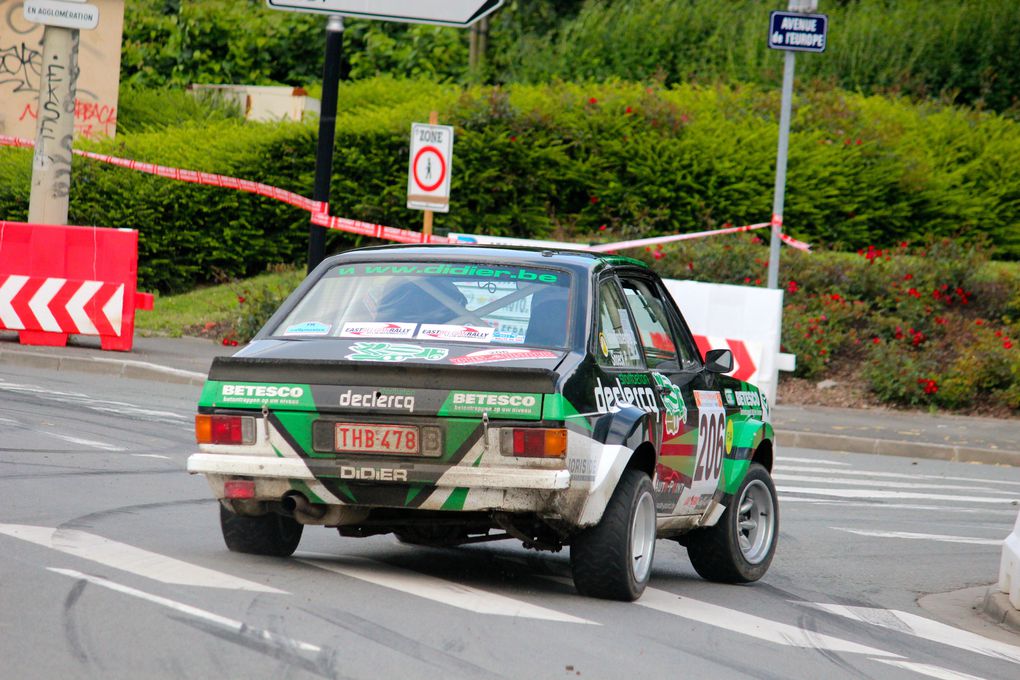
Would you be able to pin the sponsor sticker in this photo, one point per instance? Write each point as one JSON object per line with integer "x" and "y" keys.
{"x": 308, "y": 328}
{"x": 603, "y": 345}
{"x": 707, "y": 400}
{"x": 431, "y": 331}
{"x": 673, "y": 402}
{"x": 749, "y": 401}
{"x": 216, "y": 393}
{"x": 489, "y": 356}
{"x": 377, "y": 399}
{"x": 389, "y": 352}
{"x": 378, "y": 329}
{"x": 495, "y": 404}
{"x": 508, "y": 274}
{"x": 610, "y": 398}
{"x": 730, "y": 399}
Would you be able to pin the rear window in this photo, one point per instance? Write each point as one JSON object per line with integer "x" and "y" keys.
{"x": 448, "y": 301}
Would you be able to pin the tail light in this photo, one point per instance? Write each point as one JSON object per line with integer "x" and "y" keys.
{"x": 224, "y": 429}
{"x": 533, "y": 442}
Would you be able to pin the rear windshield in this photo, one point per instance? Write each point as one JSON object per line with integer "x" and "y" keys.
{"x": 447, "y": 301}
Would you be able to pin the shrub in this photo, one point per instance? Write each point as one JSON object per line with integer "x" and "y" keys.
{"x": 532, "y": 161}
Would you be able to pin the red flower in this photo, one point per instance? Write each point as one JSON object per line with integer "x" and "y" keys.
{"x": 513, "y": 138}
{"x": 658, "y": 254}
{"x": 907, "y": 277}
{"x": 602, "y": 227}
{"x": 747, "y": 280}
{"x": 593, "y": 101}
{"x": 690, "y": 265}
{"x": 929, "y": 385}
{"x": 240, "y": 299}
{"x": 998, "y": 334}
{"x": 913, "y": 292}
{"x": 1008, "y": 344}
{"x": 226, "y": 342}
{"x": 836, "y": 297}
{"x": 594, "y": 200}
{"x": 904, "y": 244}
{"x": 629, "y": 110}
{"x": 941, "y": 320}
{"x": 979, "y": 322}
{"x": 792, "y": 286}
{"x": 876, "y": 340}
{"x": 757, "y": 282}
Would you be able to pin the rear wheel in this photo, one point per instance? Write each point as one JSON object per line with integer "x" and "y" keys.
{"x": 269, "y": 534}
{"x": 739, "y": 548}
{"x": 613, "y": 559}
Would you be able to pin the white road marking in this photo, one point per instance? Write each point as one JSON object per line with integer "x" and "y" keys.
{"x": 918, "y": 626}
{"x": 894, "y": 475}
{"x": 942, "y": 538}
{"x": 929, "y": 670}
{"x": 898, "y": 506}
{"x": 752, "y": 626}
{"x": 439, "y": 590}
{"x": 781, "y": 476}
{"x": 869, "y": 493}
{"x": 238, "y": 627}
{"x": 816, "y": 461}
{"x": 129, "y": 558}
{"x": 151, "y": 455}
{"x": 85, "y": 442}
{"x": 90, "y": 402}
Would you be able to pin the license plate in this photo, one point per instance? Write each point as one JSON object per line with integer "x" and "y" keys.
{"x": 357, "y": 437}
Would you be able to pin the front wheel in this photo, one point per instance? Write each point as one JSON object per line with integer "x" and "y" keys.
{"x": 613, "y": 559}
{"x": 740, "y": 547}
{"x": 269, "y": 534}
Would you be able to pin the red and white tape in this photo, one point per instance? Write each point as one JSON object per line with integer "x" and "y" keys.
{"x": 320, "y": 210}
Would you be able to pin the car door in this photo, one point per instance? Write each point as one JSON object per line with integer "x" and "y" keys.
{"x": 693, "y": 416}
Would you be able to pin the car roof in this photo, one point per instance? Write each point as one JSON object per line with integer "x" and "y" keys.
{"x": 571, "y": 259}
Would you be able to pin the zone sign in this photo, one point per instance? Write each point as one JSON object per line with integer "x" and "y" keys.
{"x": 428, "y": 170}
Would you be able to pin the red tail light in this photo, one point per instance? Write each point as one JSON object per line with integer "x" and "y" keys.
{"x": 224, "y": 429}
{"x": 533, "y": 442}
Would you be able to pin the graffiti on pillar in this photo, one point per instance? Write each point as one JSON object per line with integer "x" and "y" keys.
{"x": 22, "y": 72}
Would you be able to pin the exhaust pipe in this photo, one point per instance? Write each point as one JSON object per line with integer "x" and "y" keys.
{"x": 296, "y": 505}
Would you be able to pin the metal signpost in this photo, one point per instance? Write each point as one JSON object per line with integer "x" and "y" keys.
{"x": 51, "y": 162}
{"x": 792, "y": 31}
{"x": 461, "y": 13}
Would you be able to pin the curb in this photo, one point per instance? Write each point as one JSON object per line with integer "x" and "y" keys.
{"x": 997, "y": 607}
{"x": 125, "y": 368}
{"x": 892, "y": 447}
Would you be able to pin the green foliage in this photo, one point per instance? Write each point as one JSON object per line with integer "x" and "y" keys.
{"x": 560, "y": 160}
{"x": 932, "y": 324}
{"x": 218, "y": 41}
{"x": 966, "y": 51}
{"x": 147, "y": 110}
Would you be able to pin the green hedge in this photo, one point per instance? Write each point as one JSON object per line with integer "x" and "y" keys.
{"x": 561, "y": 160}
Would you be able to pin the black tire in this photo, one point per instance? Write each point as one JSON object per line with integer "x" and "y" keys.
{"x": 270, "y": 534}
{"x": 613, "y": 559}
{"x": 740, "y": 547}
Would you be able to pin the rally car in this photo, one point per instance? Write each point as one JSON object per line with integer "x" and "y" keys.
{"x": 458, "y": 394}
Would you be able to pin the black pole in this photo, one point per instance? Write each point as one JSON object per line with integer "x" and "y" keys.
{"x": 327, "y": 133}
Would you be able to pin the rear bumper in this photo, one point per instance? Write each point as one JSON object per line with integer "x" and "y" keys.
{"x": 456, "y": 476}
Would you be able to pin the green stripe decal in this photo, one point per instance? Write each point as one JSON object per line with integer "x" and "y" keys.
{"x": 456, "y": 499}
{"x": 412, "y": 492}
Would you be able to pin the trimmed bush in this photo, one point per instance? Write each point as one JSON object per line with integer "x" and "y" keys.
{"x": 564, "y": 160}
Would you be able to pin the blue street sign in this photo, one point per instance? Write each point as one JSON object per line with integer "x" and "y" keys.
{"x": 800, "y": 32}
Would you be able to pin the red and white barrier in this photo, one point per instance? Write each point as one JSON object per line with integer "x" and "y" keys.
{"x": 57, "y": 281}
{"x": 747, "y": 355}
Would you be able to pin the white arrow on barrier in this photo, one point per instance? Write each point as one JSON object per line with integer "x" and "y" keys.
{"x": 76, "y": 307}
{"x": 114, "y": 309}
{"x": 39, "y": 304}
{"x": 8, "y": 317}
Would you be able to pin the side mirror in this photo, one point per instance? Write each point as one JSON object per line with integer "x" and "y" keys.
{"x": 718, "y": 361}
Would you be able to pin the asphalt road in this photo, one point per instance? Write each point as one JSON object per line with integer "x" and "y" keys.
{"x": 112, "y": 566}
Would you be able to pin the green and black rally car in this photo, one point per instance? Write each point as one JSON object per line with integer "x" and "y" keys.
{"x": 458, "y": 394}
